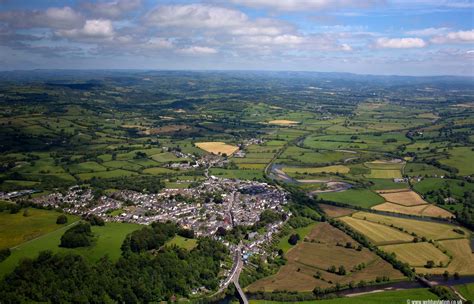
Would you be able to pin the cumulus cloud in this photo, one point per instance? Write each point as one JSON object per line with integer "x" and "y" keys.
{"x": 158, "y": 43}
{"x": 112, "y": 10}
{"x": 96, "y": 28}
{"x": 53, "y": 17}
{"x": 455, "y": 37}
{"x": 195, "y": 16}
{"x": 431, "y": 31}
{"x": 198, "y": 50}
{"x": 400, "y": 43}
{"x": 301, "y": 5}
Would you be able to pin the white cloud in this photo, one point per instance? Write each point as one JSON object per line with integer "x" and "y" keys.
{"x": 195, "y": 16}
{"x": 400, "y": 43}
{"x": 97, "y": 28}
{"x": 431, "y": 31}
{"x": 113, "y": 9}
{"x": 53, "y": 17}
{"x": 198, "y": 50}
{"x": 301, "y": 5}
{"x": 345, "y": 47}
{"x": 455, "y": 37}
{"x": 158, "y": 43}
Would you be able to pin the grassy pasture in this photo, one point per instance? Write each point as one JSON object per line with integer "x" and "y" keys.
{"x": 16, "y": 228}
{"x": 316, "y": 170}
{"x": 384, "y": 165}
{"x": 461, "y": 159}
{"x": 164, "y": 157}
{"x": 456, "y": 187}
{"x": 302, "y": 231}
{"x": 395, "y": 297}
{"x": 379, "y": 234}
{"x": 417, "y": 254}
{"x": 384, "y": 184}
{"x": 354, "y": 197}
{"x": 430, "y": 230}
{"x": 384, "y": 173}
{"x": 237, "y": 173}
{"x": 467, "y": 290}
{"x": 251, "y": 166}
{"x": 109, "y": 240}
{"x": 86, "y": 167}
{"x": 182, "y": 242}
{"x": 120, "y": 164}
{"x": 105, "y": 174}
{"x": 420, "y": 169}
{"x": 159, "y": 170}
{"x": 217, "y": 147}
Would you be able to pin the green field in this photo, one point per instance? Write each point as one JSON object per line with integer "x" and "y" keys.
{"x": 182, "y": 242}
{"x": 354, "y": 197}
{"x": 303, "y": 232}
{"x": 248, "y": 174}
{"x": 389, "y": 297}
{"x": 461, "y": 159}
{"x": 467, "y": 290}
{"x": 109, "y": 240}
{"x": 16, "y": 228}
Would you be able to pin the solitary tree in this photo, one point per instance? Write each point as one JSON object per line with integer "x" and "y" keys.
{"x": 62, "y": 219}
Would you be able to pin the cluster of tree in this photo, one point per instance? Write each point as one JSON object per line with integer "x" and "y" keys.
{"x": 443, "y": 292}
{"x": 134, "y": 278}
{"x": 80, "y": 235}
{"x": 466, "y": 217}
{"x": 148, "y": 238}
{"x": 187, "y": 233}
{"x": 293, "y": 239}
{"x": 4, "y": 254}
{"x": 260, "y": 269}
{"x": 10, "y": 207}
{"x": 93, "y": 219}
{"x": 340, "y": 271}
{"x": 299, "y": 221}
{"x": 269, "y": 216}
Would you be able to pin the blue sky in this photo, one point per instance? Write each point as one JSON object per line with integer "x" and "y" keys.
{"x": 403, "y": 37}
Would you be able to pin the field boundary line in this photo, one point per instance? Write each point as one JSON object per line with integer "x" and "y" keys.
{"x": 41, "y": 236}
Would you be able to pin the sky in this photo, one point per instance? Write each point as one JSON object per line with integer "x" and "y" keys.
{"x": 386, "y": 37}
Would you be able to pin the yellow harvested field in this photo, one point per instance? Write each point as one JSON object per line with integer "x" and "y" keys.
{"x": 391, "y": 190}
{"x": 283, "y": 122}
{"x": 308, "y": 258}
{"x": 421, "y": 210}
{"x": 463, "y": 259}
{"x": 379, "y": 234}
{"x": 430, "y": 230}
{"x": 326, "y": 255}
{"x": 217, "y": 147}
{"x": 405, "y": 198}
{"x": 384, "y": 173}
{"x": 417, "y": 254}
{"x": 309, "y": 170}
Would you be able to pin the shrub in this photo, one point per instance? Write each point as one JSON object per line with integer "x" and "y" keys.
{"x": 62, "y": 219}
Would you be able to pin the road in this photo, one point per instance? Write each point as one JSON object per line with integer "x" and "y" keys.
{"x": 235, "y": 272}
